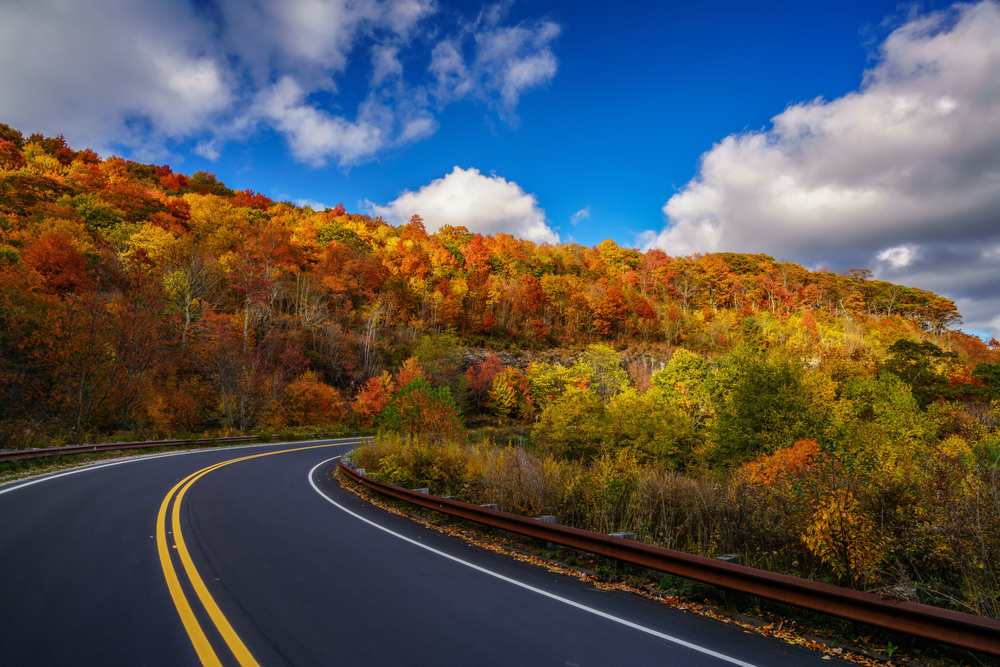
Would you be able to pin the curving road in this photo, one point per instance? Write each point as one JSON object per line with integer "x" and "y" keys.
{"x": 275, "y": 565}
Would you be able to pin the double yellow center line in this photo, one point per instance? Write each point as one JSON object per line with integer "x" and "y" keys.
{"x": 202, "y": 646}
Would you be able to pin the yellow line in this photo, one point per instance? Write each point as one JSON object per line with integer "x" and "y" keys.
{"x": 198, "y": 638}
{"x": 201, "y": 644}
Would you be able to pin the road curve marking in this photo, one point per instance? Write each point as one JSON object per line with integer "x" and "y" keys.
{"x": 206, "y": 654}
{"x": 529, "y": 587}
{"x": 202, "y": 646}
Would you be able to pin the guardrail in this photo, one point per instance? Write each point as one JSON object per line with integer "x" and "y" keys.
{"x": 966, "y": 631}
{"x": 21, "y": 454}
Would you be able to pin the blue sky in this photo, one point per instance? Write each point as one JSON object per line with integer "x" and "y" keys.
{"x": 639, "y": 95}
{"x": 562, "y": 108}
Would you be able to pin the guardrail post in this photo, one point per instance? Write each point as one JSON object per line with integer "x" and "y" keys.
{"x": 620, "y": 563}
{"x": 549, "y": 518}
{"x": 734, "y": 599}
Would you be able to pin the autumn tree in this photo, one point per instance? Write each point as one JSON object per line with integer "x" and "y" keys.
{"x": 418, "y": 408}
{"x": 574, "y": 426}
{"x": 308, "y": 402}
{"x": 480, "y": 376}
{"x": 923, "y": 366}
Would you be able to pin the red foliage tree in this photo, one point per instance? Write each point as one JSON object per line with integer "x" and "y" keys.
{"x": 481, "y": 374}
{"x": 250, "y": 199}
{"x": 62, "y": 267}
{"x": 10, "y": 156}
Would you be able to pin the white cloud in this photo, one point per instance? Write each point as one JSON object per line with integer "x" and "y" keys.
{"x": 385, "y": 64}
{"x": 165, "y": 72}
{"x": 582, "y": 214}
{"x": 899, "y": 257}
{"x": 483, "y": 204}
{"x": 314, "y": 205}
{"x": 313, "y": 134}
{"x": 902, "y": 175}
{"x": 505, "y": 61}
{"x": 68, "y": 69}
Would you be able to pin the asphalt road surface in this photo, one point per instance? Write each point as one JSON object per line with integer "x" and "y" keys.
{"x": 275, "y": 565}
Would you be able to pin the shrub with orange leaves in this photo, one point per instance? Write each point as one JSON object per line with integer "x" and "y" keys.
{"x": 408, "y": 372}
{"x": 374, "y": 396}
{"x": 783, "y": 465}
{"x": 311, "y": 402}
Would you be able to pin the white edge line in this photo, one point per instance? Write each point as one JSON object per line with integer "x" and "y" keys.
{"x": 14, "y": 485}
{"x": 523, "y": 585}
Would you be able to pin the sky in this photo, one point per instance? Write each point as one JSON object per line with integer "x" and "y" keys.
{"x": 838, "y": 134}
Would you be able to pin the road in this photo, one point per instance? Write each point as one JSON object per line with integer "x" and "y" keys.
{"x": 294, "y": 571}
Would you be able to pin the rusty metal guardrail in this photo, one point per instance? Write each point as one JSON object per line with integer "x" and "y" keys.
{"x": 22, "y": 454}
{"x": 967, "y": 631}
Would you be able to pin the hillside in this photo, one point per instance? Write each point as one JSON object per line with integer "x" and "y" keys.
{"x": 131, "y": 293}
{"x": 832, "y": 426}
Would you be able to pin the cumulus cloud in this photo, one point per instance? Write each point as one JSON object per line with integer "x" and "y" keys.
{"x": 503, "y": 62}
{"x": 68, "y": 69}
{"x": 902, "y": 175}
{"x": 169, "y": 71}
{"x": 483, "y": 204}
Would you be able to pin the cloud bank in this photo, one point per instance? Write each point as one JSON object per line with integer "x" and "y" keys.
{"x": 902, "y": 176}
{"x": 483, "y": 204}
{"x": 143, "y": 73}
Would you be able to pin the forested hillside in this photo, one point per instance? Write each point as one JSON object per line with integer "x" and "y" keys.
{"x": 136, "y": 298}
{"x": 824, "y": 424}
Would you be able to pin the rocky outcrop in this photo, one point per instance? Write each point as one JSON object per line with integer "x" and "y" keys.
{"x": 521, "y": 359}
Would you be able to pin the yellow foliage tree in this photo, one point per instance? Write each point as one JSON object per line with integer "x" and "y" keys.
{"x": 845, "y": 538}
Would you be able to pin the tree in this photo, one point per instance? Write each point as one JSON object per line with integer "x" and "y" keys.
{"x": 480, "y": 376}
{"x": 440, "y": 356}
{"x": 310, "y": 402}
{"x": 610, "y": 312}
{"x": 250, "y": 380}
{"x": 10, "y": 156}
{"x": 922, "y": 366}
{"x": 574, "y": 426}
{"x": 685, "y": 382}
{"x": 191, "y": 280}
{"x": 989, "y": 375}
{"x": 764, "y": 406}
{"x": 60, "y": 264}
{"x": 419, "y": 408}
{"x": 372, "y": 399}
{"x": 510, "y": 395}
{"x": 604, "y": 368}
{"x": 104, "y": 350}
{"x": 651, "y": 425}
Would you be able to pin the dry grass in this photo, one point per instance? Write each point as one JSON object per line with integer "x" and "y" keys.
{"x": 938, "y": 535}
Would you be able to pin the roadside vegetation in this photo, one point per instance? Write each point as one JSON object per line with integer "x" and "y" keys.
{"x": 830, "y": 425}
{"x": 835, "y": 472}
